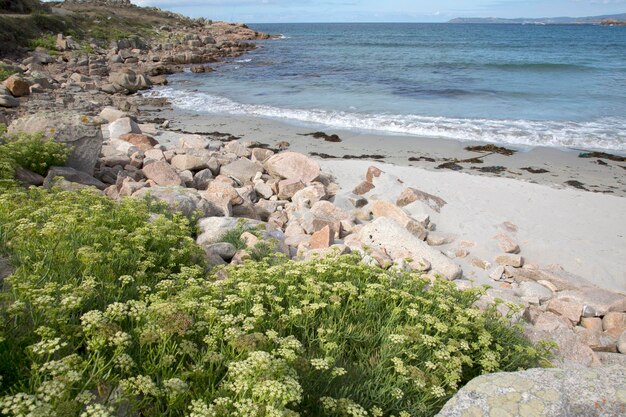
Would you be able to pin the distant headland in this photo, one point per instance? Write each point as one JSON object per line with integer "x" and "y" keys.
{"x": 616, "y": 19}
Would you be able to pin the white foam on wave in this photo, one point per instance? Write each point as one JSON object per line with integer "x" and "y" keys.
{"x": 606, "y": 133}
{"x": 243, "y": 60}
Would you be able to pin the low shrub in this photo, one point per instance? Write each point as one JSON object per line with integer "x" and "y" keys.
{"x": 109, "y": 311}
{"x": 5, "y": 72}
{"x": 32, "y": 151}
{"x": 45, "y": 41}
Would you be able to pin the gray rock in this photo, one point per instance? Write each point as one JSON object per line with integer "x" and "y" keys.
{"x": 400, "y": 243}
{"x": 129, "y": 80}
{"x": 621, "y": 343}
{"x": 532, "y": 289}
{"x": 189, "y": 162}
{"x": 123, "y": 126}
{"x": 80, "y": 132}
{"x": 202, "y": 179}
{"x": 72, "y": 175}
{"x": 27, "y": 177}
{"x": 570, "y": 392}
{"x": 185, "y": 200}
{"x": 214, "y": 228}
{"x": 8, "y": 101}
{"x": 162, "y": 173}
{"x": 224, "y": 250}
{"x": 242, "y": 170}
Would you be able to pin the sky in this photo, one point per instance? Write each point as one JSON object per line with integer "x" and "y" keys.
{"x": 276, "y": 11}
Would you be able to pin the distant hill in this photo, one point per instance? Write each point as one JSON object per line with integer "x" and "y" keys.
{"x": 591, "y": 20}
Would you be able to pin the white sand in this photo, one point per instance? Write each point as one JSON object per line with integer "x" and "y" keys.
{"x": 583, "y": 232}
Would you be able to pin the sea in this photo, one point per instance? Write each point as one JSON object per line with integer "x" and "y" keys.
{"x": 527, "y": 85}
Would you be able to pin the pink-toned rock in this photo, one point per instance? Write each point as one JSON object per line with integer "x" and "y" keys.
{"x": 381, "y": 208}
{"x": 597, "y": 302}
{"x": 249, "y": 239}
{"x": 153, "y": 155}
{"x": 219, "y": 202}
{"x": 507, "y": 244}
{"x": 363, "y": 188}
{"x": 615, "y": 322}
{"x": 410, "y": 195}
{"x": 510, "y": 260}
{"x": 17, "y": 86}
{"x": 323, "y": 238}
{"x": 224, "y": 188}
{"x": 261, "y": 155}
{"x": 162, "y": 174}
{"x": 569, "y": 309}
{"x": 549, "y": 326}
{"x": 372, "y": 172}
{"x": 309, "y": 195}
{"x": 188, "y": 163}
{"x": 287, "y": 188}
{"x": 143, "y": 142}
{"x": 294, "y": 166}
{"x": 480, "y": 263}
{"x": 593, "y": 324}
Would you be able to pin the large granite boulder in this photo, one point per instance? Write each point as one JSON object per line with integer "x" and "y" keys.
{"x": 401, "y": 244}
{"x": 72, "y": 175}
{"x": 81, "y": 133}
{"x": 128, "y": 80}
{"x": 293, "y": 166}
{"x": 570, "y": 392}
{"x": 185, "y": 200}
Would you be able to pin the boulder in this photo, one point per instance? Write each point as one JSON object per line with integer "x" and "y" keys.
{"x": 510, "y": 260}
{"x": 162, "y": 173}
{"x": 202, "y": 179}
{"x": 194, "y": 142}
{"x": 143, "y": 142}
{"x": 570, "y": 348}
{"x": 72, "y": 175}
{"x": 288, "y": 188}
{"x": 111, "y": 114}
{"x": 400, "y": 244}
{"x": 213, "y": 229}
{"x": 363, "y": 188}
{"x": 189, "y": 162}
{"x": 123, "y": 126}
{"x": 570, "y": 309}
{"x": 27, "y": 177}
{"x": 181, "y": 199}
{"x": 81, "y": 133}
{"x": 381, "y": 208}
{"x": 242, "y": 170}
{"x": 17, "y": 86}
{"x": 621, "y": 343}
{"x": 322, "y": 239}
{"x": 573, "y": 391}
{"x": 507, "y": 244}
{"x": 8, "y": 101}
{"x": 129, "y": 80}
{"x": 410, "y": 195}
{"x": 596, "y": 302}
{"x": 531, "y": 289}
{"x": 224, "y": 250}
{"x": 308, "y": 196}
{"x": 294, "y": 166}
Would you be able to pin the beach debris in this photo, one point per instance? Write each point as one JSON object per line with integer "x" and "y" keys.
{"x": 602, "y": 155}
{"x": 491, "y": 170}
{"x": 576, "y": 184}
{"x": 321, "y": 135}
{"x": 374, "y": 157}
{"x": 450, "y": 165}
{"x": 601, "y": 162}
{"x": 410, "y": 195}
{"x": 421, "y": 158}
{"x": 323, "y": 155}
{"x": 492, "y": 149}
{"x": 535, "y": 170}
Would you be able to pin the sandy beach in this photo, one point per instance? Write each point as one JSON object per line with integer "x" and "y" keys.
{"x": 562, "y": 165}
{"x": 559, "y": 226}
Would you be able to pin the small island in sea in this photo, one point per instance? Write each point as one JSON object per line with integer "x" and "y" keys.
{"x": 205, "y": 218}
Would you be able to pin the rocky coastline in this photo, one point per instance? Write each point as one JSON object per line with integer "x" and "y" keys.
{"x": 89, "y": 100}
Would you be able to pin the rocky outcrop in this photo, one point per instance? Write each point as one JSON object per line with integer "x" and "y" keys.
{"x": 576, "y": 391}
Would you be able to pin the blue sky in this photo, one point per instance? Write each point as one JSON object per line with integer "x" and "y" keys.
{"x": 263, "y": 11}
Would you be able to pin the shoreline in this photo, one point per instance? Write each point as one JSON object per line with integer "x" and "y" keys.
{"x": 565, "y": 169}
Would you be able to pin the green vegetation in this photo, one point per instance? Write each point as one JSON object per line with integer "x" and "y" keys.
{"x": 5, "y": 72}
{"x": 46, "y": 41}
{"x": 30, "y": 151}
{"x": 109, "y": 311}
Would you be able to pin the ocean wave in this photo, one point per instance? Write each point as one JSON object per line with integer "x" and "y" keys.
{"x": 606, "y": 133}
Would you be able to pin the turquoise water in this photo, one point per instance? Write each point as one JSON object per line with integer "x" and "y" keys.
{"x": 519, "y": 84}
